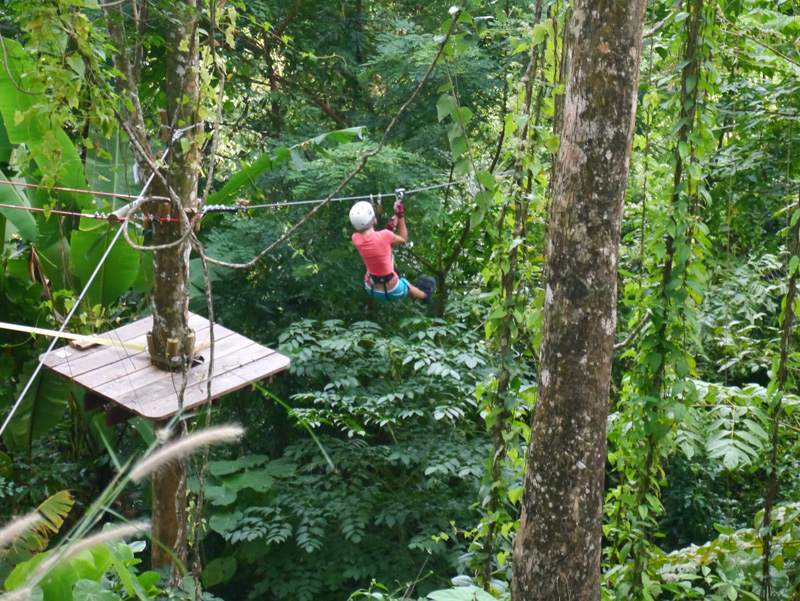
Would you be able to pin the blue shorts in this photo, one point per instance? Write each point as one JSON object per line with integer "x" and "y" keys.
{"x": 399, "y": 293}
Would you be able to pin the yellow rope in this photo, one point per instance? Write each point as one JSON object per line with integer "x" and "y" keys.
{"x": 93, "y": 339}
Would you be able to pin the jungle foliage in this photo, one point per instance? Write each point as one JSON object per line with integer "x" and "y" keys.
{"x": 388, "y": 463}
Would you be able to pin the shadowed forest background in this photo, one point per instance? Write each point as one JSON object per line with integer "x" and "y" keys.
{"x": 389, "y": 462}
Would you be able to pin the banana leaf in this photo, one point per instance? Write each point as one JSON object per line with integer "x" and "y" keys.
{"x": 119, "y": 270}
{"x": 52, "y": 513}
{"x": 41, "y": 409}
{"x": 23, "y": 222}
{"x": 19, "y": 295}
{"x": 6, "y": 148}
{"x": 36, "y": 131}
{"x": 109, "y": 168}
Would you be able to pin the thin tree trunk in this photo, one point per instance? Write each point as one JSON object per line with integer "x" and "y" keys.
{"x": 771, "y": 486}
{"x": 171, "y": 265}
{"x": 170, "y": 300}
{"x": 557, "y": 549}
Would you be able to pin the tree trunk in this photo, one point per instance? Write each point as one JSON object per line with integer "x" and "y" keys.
{"x": 172, "y": 341}
{"x": 557, "y": 549}
{"x": 171, "y": 266}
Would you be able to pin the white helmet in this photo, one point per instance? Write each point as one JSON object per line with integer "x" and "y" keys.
{"x": 361, "y": 215}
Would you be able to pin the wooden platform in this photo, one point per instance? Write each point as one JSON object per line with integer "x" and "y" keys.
{"x": 126, "y": 379}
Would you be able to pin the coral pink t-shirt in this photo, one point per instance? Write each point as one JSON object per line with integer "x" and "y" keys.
{"x": 376, "y": 250}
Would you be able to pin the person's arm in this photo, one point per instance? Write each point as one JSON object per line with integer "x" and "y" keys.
{"x": 401, "y": 235}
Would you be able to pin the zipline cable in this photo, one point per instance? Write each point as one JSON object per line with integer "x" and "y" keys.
{"x": 212, "y": 208}
{"x": 93, "y": 192}
{"x": 41, "y": 361}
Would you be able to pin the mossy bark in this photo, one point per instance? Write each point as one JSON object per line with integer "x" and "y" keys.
{"x": 171, "y": 265}
{"x": 558, "y": 548}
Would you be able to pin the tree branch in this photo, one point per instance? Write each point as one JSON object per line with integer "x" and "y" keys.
{"x": 656, "y": 28}
{"x": 640, "y": 326}
{"x": 287, "y": 21}
{"x": 364, "y": 158}
{"x": 752, "y": 39}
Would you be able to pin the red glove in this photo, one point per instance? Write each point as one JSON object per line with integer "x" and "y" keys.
{"x": 398, "y": 209}
{"x": 392, "y": 223}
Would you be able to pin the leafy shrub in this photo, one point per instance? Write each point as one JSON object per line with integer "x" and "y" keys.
{"x": 397, "y": 460}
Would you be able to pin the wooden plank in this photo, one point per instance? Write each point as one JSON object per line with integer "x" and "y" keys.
{"x": 126, "y": 367}
{"x": 197, "y": 394}
{"x": 126, "y": 381}
{"x": 130, "y": 367}
{"x": 99, "y": 358}
{"x": 166, "y": 387}
{"x": 148, "y": 375}
{"x": 126, "y": 333}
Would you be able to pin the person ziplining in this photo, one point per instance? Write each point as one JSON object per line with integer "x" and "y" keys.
{"x": 375, "y": 248}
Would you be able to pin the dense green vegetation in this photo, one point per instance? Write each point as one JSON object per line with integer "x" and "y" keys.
{"x": 390, "y": 459}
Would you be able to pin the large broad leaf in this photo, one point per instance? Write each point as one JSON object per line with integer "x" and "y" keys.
{"x": 248, "y": 175}
{"x": 109, "y": 168}
{"x": 197, "y": 289}
{"x": 23, "y": 221}
{"x": 19, "y": 295}
{"x": 89, "y": 590}
{"x": 218, "y": 570}
{"x": 37, "y": 132}
{"x": 40, "y": 410}
{"x": 60, "y": 579}
{"x": 6, "y": 147}
{"x": 117, "y": 273}
{"x": 461, "y": 593}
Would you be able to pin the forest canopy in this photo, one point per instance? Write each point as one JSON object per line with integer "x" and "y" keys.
{"x": 389, "y": 461}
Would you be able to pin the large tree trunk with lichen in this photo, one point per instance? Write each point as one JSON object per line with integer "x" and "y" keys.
{"x": 557, "y": 550}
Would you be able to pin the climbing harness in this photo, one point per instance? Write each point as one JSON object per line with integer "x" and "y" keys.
{"x": 385, "y": 279}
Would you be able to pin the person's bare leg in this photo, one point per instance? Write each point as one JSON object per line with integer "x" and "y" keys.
{"x": 416, "y": 292}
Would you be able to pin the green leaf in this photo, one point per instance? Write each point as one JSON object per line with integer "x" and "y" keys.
{"x": 6, "y": 148}
{"x": 109, "y": 168}
{"x": 24, "y": 221}
{"x": 37, "y": 133}
{"x": 461, "y": 593}
{"x": 257, "y": 480}
{"x": 553, "y": 143}
{"x": 220, "y": 495}
{"x": 793, "y": 263}
{"x": 486, "y": 179}
{"x": 40, "y": 410}
{"x": 539, "y": 34}
{"x": 477, "y": 217}
{"x": 117, "y": 273}
{"x": 89, "y": 590}
{"x": 219, "y": 570}
{"x": 225, "y": 523}
{"x": 445, "y": 106}
{"x": 756, "y": 429}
